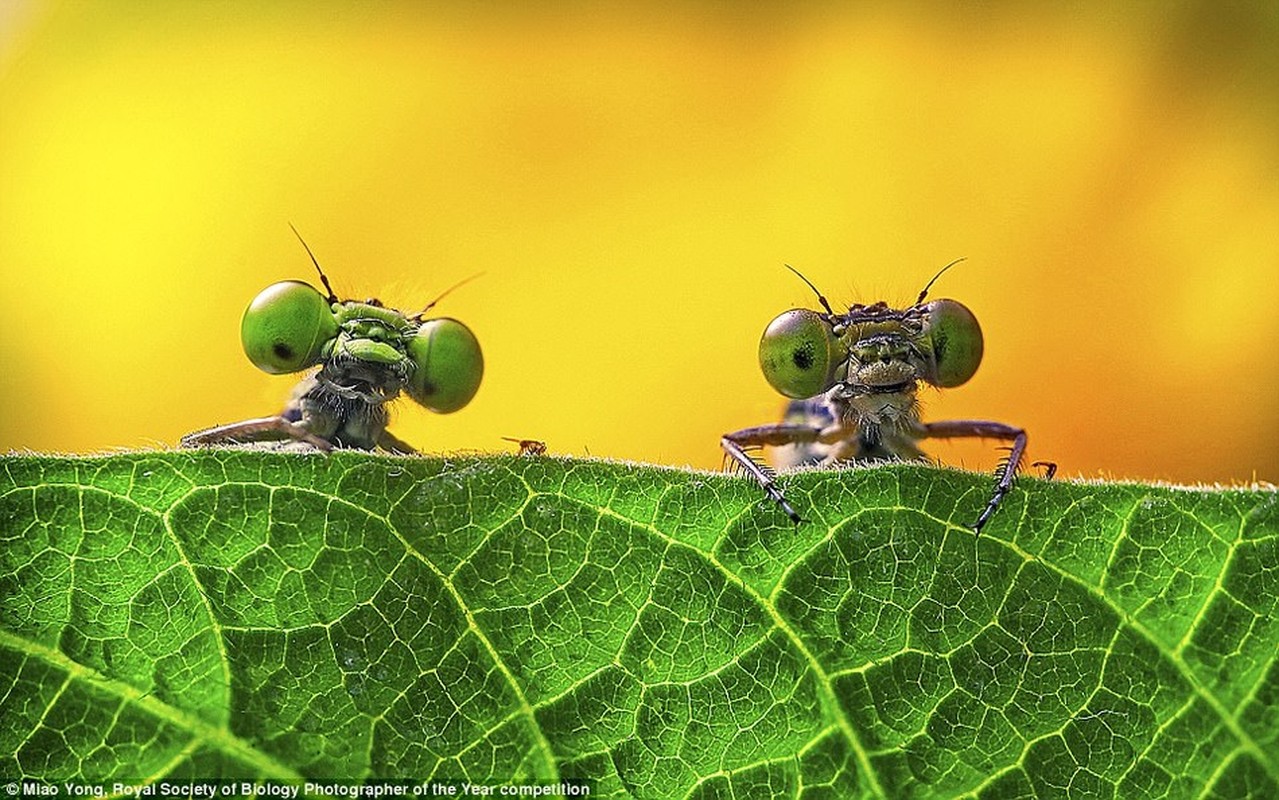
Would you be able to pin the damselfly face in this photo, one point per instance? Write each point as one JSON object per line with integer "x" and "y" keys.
{"x": 855, "y": 376}
{"x": 871, "y": 350}
{"x": 366, "y": 353}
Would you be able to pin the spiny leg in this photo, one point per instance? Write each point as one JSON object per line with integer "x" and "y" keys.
{"x": 1007, "y": 473}
{"x": 255, "y": 430}
{"x": 771, "y": 435}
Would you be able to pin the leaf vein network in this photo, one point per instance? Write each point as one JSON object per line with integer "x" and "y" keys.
{"x": 1183, "y": 669}
{"x": 832, "y": 703}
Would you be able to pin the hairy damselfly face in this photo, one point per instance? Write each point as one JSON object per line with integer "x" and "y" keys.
{"x": 871, "y": 350}
{"x": 365, "y": 351}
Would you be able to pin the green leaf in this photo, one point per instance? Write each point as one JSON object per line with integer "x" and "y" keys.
{"x": 653, "y": 632}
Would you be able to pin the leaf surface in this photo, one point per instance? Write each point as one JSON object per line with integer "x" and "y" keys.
{"x": 656, "y": 633}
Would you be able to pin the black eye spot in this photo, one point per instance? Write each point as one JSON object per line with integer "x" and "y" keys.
{"x": 940, "y": 345}
{"x": 282, "y": 351}
{"x": 803, "y": 356}
{"x": 428, "y": 388}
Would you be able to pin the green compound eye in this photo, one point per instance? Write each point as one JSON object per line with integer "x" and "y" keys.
{"x": 286, "y": 327}
{"x": 956, "y": 339}
{"x": 797, "y": 353}
{"x": 447, "y": 365}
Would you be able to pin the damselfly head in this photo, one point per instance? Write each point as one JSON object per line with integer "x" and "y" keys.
{"x": 291, "y": 326}
{"x": 872, "y": 348}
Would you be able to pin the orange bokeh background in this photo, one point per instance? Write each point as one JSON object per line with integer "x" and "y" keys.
{"x": 630, "y": 180}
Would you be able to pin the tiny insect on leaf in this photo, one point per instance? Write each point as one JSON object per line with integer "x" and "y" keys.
{"x": 528, "y": 447}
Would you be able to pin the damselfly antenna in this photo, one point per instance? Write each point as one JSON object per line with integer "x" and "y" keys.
{"x": 333, "y": 298}
{"x": 820, "y": 298}
{"x": 924, "y": 293}
{"x": 444, "y": 294}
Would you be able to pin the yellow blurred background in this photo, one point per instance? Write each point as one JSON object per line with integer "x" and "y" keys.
{"x": 631, "y": 180}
